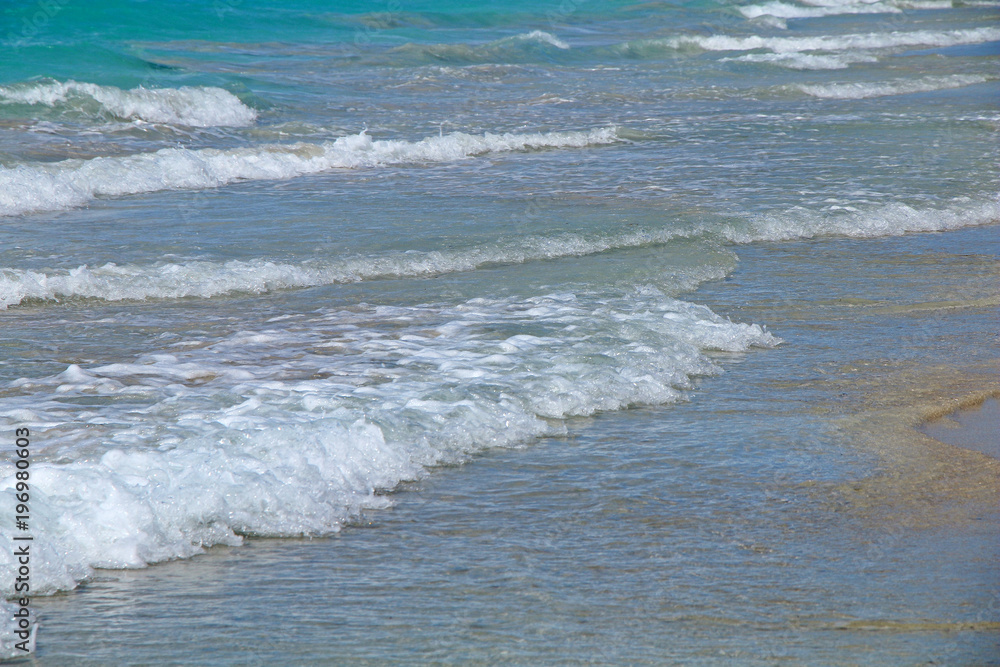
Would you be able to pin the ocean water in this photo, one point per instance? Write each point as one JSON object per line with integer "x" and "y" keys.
{"x": 475, "y": 333}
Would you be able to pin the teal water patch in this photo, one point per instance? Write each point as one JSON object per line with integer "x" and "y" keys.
{"x": 107, "y": 42}
{"x": 260, "y": 20}
{"x": 100, "y": 63}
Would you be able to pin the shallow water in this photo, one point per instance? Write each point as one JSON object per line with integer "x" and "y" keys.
{"x": 710, "y": 531}
{"x": 638, "y": 306}
{"x": 973, "y": 428}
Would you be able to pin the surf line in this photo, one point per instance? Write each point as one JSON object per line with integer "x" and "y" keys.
{"x": 22, "y": 583}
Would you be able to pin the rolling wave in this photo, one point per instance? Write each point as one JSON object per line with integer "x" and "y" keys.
{"x": 62, "y": 185}
{"x": 514, "y": 48}
{"x": 858, "y": 91}
{"x": 207, "y": 279}
{"x": 830, "y": 43}
{"x": 292, "y": 429}
{"x": 806, "y": 61}
{"x": 786, "y": 10}
{"x": 191, "y": 106}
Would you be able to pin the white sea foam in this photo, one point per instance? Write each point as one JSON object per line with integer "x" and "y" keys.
{"x": 62, "y": 185}
{"x": 891, "y": 219}
{"x": 904, "y": 4}
{"x": 291, "y": 428}
{"x": 539, "y": 36}
{"x": 939, "y": 4}
{"x": 847, "y": 42}
{"x": 770, "y": 22}
{"x": 787, "y": 10}
{"x": 192, "y": 106}
{"x": 818, "y": 8}
{"x": 807, "y": 61}
{"x": 857, "y": 91}
{"x": 205, "y": 279}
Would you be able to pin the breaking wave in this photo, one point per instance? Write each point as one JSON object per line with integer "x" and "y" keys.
{"x": 191, "y": 106}
{"x": 293, "y": 428}
{"x": 62, "y": 185}
{"x": 206, "y": 279}
{"x": 858, "y": 91}
{"x": 874, "y": 40}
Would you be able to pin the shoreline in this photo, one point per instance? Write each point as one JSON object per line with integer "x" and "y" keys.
{"x": 703, "y": 517}
{"x": 975, "y": 427}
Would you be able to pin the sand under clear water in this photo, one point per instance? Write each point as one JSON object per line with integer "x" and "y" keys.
{"x": 977, "y": 427}
{"x": 527, "y": 333}
{"x": 741, "y": 526}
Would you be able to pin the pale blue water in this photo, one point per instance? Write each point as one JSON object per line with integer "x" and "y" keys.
{"x": 574, "y": 325}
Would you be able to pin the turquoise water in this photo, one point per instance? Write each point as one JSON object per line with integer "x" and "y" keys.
{"x": 565, "y": 332}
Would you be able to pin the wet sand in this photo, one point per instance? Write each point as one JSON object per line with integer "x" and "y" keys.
{"x": 976, "y": 428}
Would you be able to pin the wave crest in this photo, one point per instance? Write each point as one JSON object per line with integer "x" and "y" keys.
{"x": 834, "y": 43}
{"x": 507, "y": 49}
{"x": 320, "y": 414}
{"x": 52, "y": 187}
{"x": 199, "y": 106}
{"x": 207, "y": 279}
{"x": 859, "y": 91}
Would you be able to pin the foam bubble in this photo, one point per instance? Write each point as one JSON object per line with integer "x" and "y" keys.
{"x": 857, "y": 91}
{"x": 49, "y": 187}
{"x": 789, "y": 11}
{"x": 874, "y": 40}
{"x": 539, "y": 36}
{"x": 806, "y": 61}
{"x": 292, "y": 428}
{"x": 199, "y": 106}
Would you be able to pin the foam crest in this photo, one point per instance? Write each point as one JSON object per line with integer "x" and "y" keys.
{"x": 49, "y": 187}
{"x": 790, "y": 11}
{"x": 892, "y": 219}
{"x": 806, "y": 61}
{"x": 857, "y": 91}
{"x": 199, "y": 106}
{"x": 874, "y": 40}
{"x": 205, "y": 279}
{"x": 940, "y": 4}
{"x": 538, "y": 36}
{"x": 905, "y": 4}
{"x": 292, "y": 428}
